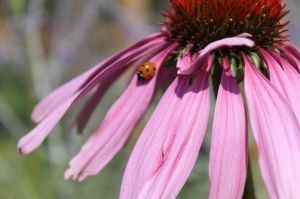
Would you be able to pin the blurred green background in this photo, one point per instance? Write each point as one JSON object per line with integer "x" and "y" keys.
{"x": 44, "y": 43}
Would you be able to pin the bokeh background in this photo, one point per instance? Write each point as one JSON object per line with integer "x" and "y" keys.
{"x": 44, "y": 43}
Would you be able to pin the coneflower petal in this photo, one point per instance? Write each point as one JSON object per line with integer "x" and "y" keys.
{"x": 290, "y": 57}
{"x": 91, "y": 103}
{"x": 276, "y": 132}
{"x": 36, "y": 136}
{"x": 228, "y": 154}
{"x": 186, "y": 60}
{"x": 284, "y": 85}
{"x": 289, "y": 70}
{"x": 238, "y": 40}
{"x": 116, "y": 126}
{"x": 149, "y": 146}
{"x": 59, "y": 96}
{"x": 64, "y": 92}
{"x": 292, "y": 49}
{"x": 177, "y": 153}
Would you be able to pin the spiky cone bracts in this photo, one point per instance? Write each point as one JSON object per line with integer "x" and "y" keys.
{"x": 201, "y": 22}
{"x": 198, "y": 23}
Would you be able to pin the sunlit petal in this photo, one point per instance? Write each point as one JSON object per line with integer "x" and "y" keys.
{"x": 34, "y": 138}
{"x": 228, "y": 154}
{"x": 116, "y": 126}
{"x": 276, "y": 132}
{"x": 64, "y": 92}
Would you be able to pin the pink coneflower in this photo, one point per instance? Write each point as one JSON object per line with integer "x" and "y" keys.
{"x": 231, "y": 41}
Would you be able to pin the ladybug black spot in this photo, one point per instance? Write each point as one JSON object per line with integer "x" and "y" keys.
{"x": 147, "y": 69}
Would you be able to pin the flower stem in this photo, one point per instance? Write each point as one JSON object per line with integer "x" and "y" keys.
{"x": 216, "y": 80}
{"x": 249, "y": 188}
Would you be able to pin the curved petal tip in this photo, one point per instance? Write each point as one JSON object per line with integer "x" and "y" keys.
{"x": 239, "y": 40}
{"x": 75, "y": 175}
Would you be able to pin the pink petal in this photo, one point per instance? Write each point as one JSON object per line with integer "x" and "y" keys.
{"x": 186, "y": 60}
{"x": 294, "y": 61}
{"x": 62, "y": 93}
{"x": 161, "y": 163}
{"x": 116, "y": 127}
{"x": 231, "y": 41}
{"x": 35, "y": 137}
{"x": 292, "y": 49}
{"x": 59, "y": 95}
{"x": 228, "y": 154}
{"x": 148, "y": 146}
{"x": 165, "y": 77}
{"x": 289, "y": 70}
{"x": 244, "y": 35}
{"x": 281, "y": 81}
{"x": 91, "y": 103}
{"x": 276, "y": 132}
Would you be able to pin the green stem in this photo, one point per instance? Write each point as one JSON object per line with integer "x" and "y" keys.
{"x": 249, "y": 188}
{"x": 216, "y": 80}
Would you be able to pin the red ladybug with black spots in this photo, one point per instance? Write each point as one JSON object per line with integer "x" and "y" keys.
{"x": 146, "y": 71}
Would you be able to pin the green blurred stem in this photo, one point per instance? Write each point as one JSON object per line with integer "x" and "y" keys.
{"x": 216, "y": 80}
{"x": 249, "y": 186}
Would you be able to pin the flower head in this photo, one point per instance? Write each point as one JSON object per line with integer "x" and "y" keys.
{"x": 201, "y": 22}
{"x": 230, "y": 41}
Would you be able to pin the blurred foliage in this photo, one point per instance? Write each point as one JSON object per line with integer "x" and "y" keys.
{"x": 42, "y": 45}
{"x": 14, "y": 88}
{"x": 157, "y": 5}
{"x": 18, "y": 7}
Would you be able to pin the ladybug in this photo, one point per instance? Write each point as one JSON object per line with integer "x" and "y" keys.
{"x": 146, "y": 71}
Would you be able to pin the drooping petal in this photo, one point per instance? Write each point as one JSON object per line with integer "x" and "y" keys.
{"x": 186, "y": 60}
{"x": 62, "y": 93}
{"x": 276, "y": 132}
{"x": 231, "y": 41}
{"x": 290, "y": 57}
{"x": 292, "y": 49}
{"x": 289, "y": 70}
{"x": 179, "y": 154}
{"x": 35, "y": 137}
{"x": 228, "y": 153}
{"x": 59, "y": 95}
{"x": 163, "y": 166}
{"x": 280, "y": 80}
{"x": 149, "y": 144}
{"x": 165, "y": 77}
{"x": 91, "y": 103}
{"x": 116, "y": 127}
